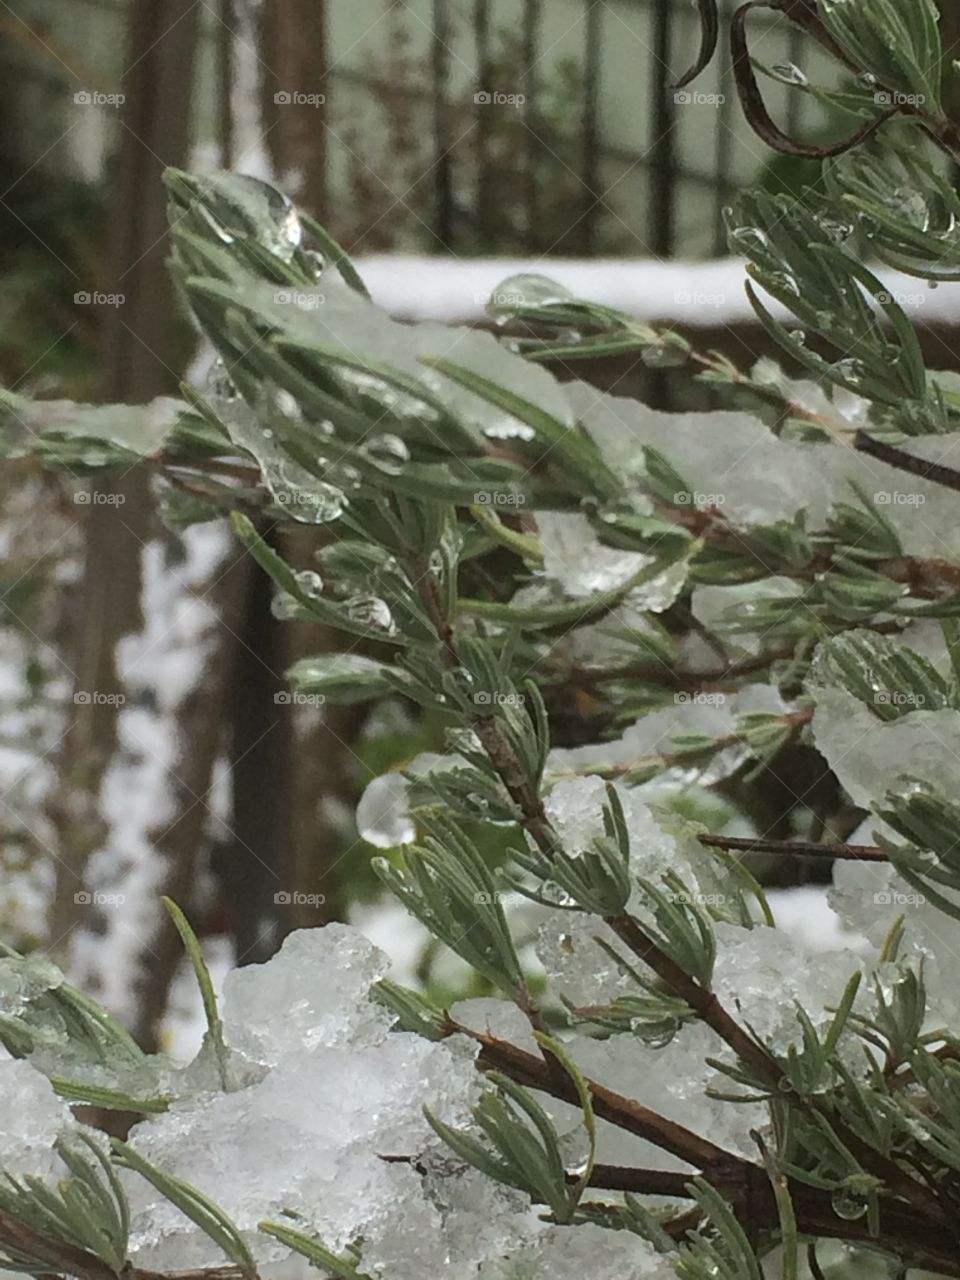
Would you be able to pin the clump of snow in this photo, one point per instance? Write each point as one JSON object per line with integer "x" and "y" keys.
{"x": 314, "y": 991}
{"x": 340, "y": 1092}
{"x": 34, "y": 1119}
{"x": 572, "y": 1253}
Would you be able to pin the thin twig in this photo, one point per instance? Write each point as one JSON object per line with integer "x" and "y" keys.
{"x": 805, "y": 848}
{"x": 935, "y": 472}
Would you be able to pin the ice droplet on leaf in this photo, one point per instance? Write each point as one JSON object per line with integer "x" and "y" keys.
{"x": 372, "y": 612}
{"x": 383, "y": 818}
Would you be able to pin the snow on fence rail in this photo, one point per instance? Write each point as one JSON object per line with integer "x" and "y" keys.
{"x": 695, "y": 294}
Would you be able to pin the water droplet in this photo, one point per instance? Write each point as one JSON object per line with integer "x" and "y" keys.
{"x": 837, "y": 231}
{"x": 284, "y": 607}
{"x": 389, "y": 449}
{"x": 372, "y": 612}
{"x": 665, "y": 356}
{"x": 848, "y": 1204}
{"x": 554, "y": 893}
{"x": 383, "y": 817}
{"x": 789, "y": 72}
{"x": 749, "y": 237}
{"x": 310, "y": 582}
{"x": 658, "y": 1039}
{"x": 509, "y": 429}
{"x": 249, "y": 209}
{"x": 574, "y": 1148}
{"x": 220, "y": 387}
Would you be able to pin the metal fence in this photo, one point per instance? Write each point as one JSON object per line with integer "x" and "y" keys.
{"x": 472, "y": 126}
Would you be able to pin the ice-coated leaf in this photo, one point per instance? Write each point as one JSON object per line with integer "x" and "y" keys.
{"x": 86, "y": 435}
{"x": 341, "y": 678}
{"x": 355, "y": 337}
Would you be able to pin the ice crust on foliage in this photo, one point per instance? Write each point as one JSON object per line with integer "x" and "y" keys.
{"x": 732, "y": 461}
{"x": 653, "y": 735}
{"x": 575, "y": 1253}
{"x": 576, "y": 558}
{"x": 33, "y": 1119}
{"x": 761, "y": 972}
{"x": 348, "y": 324}
{"x": 339, "y": 1092}
{"x": 871, "y": 757}
{"x": 294, "y": 1001}
{"x": 567, "y": 942}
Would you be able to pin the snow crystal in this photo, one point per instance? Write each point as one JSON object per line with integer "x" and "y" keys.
{"x": 41, "y": 1118}
{"x": 574, "y": 555}
{"x": 498, "y": 1018}
{"x": 869, "y": 756}
{"x": 715, "y": 716}
{"x": 761, "y": 973}
{"x": 306, "y": 1140}
{"x": 314, "y": 991}
{"x": 571, "y": 1253}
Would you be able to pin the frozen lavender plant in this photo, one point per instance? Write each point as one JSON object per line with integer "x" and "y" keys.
{"x": 635, "y": 626}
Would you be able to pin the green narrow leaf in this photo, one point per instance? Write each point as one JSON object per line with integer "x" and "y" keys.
{"x": 207, "y": 993}
{"x": 200, "y": 1209}
{"x": 312, "y": 1250}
